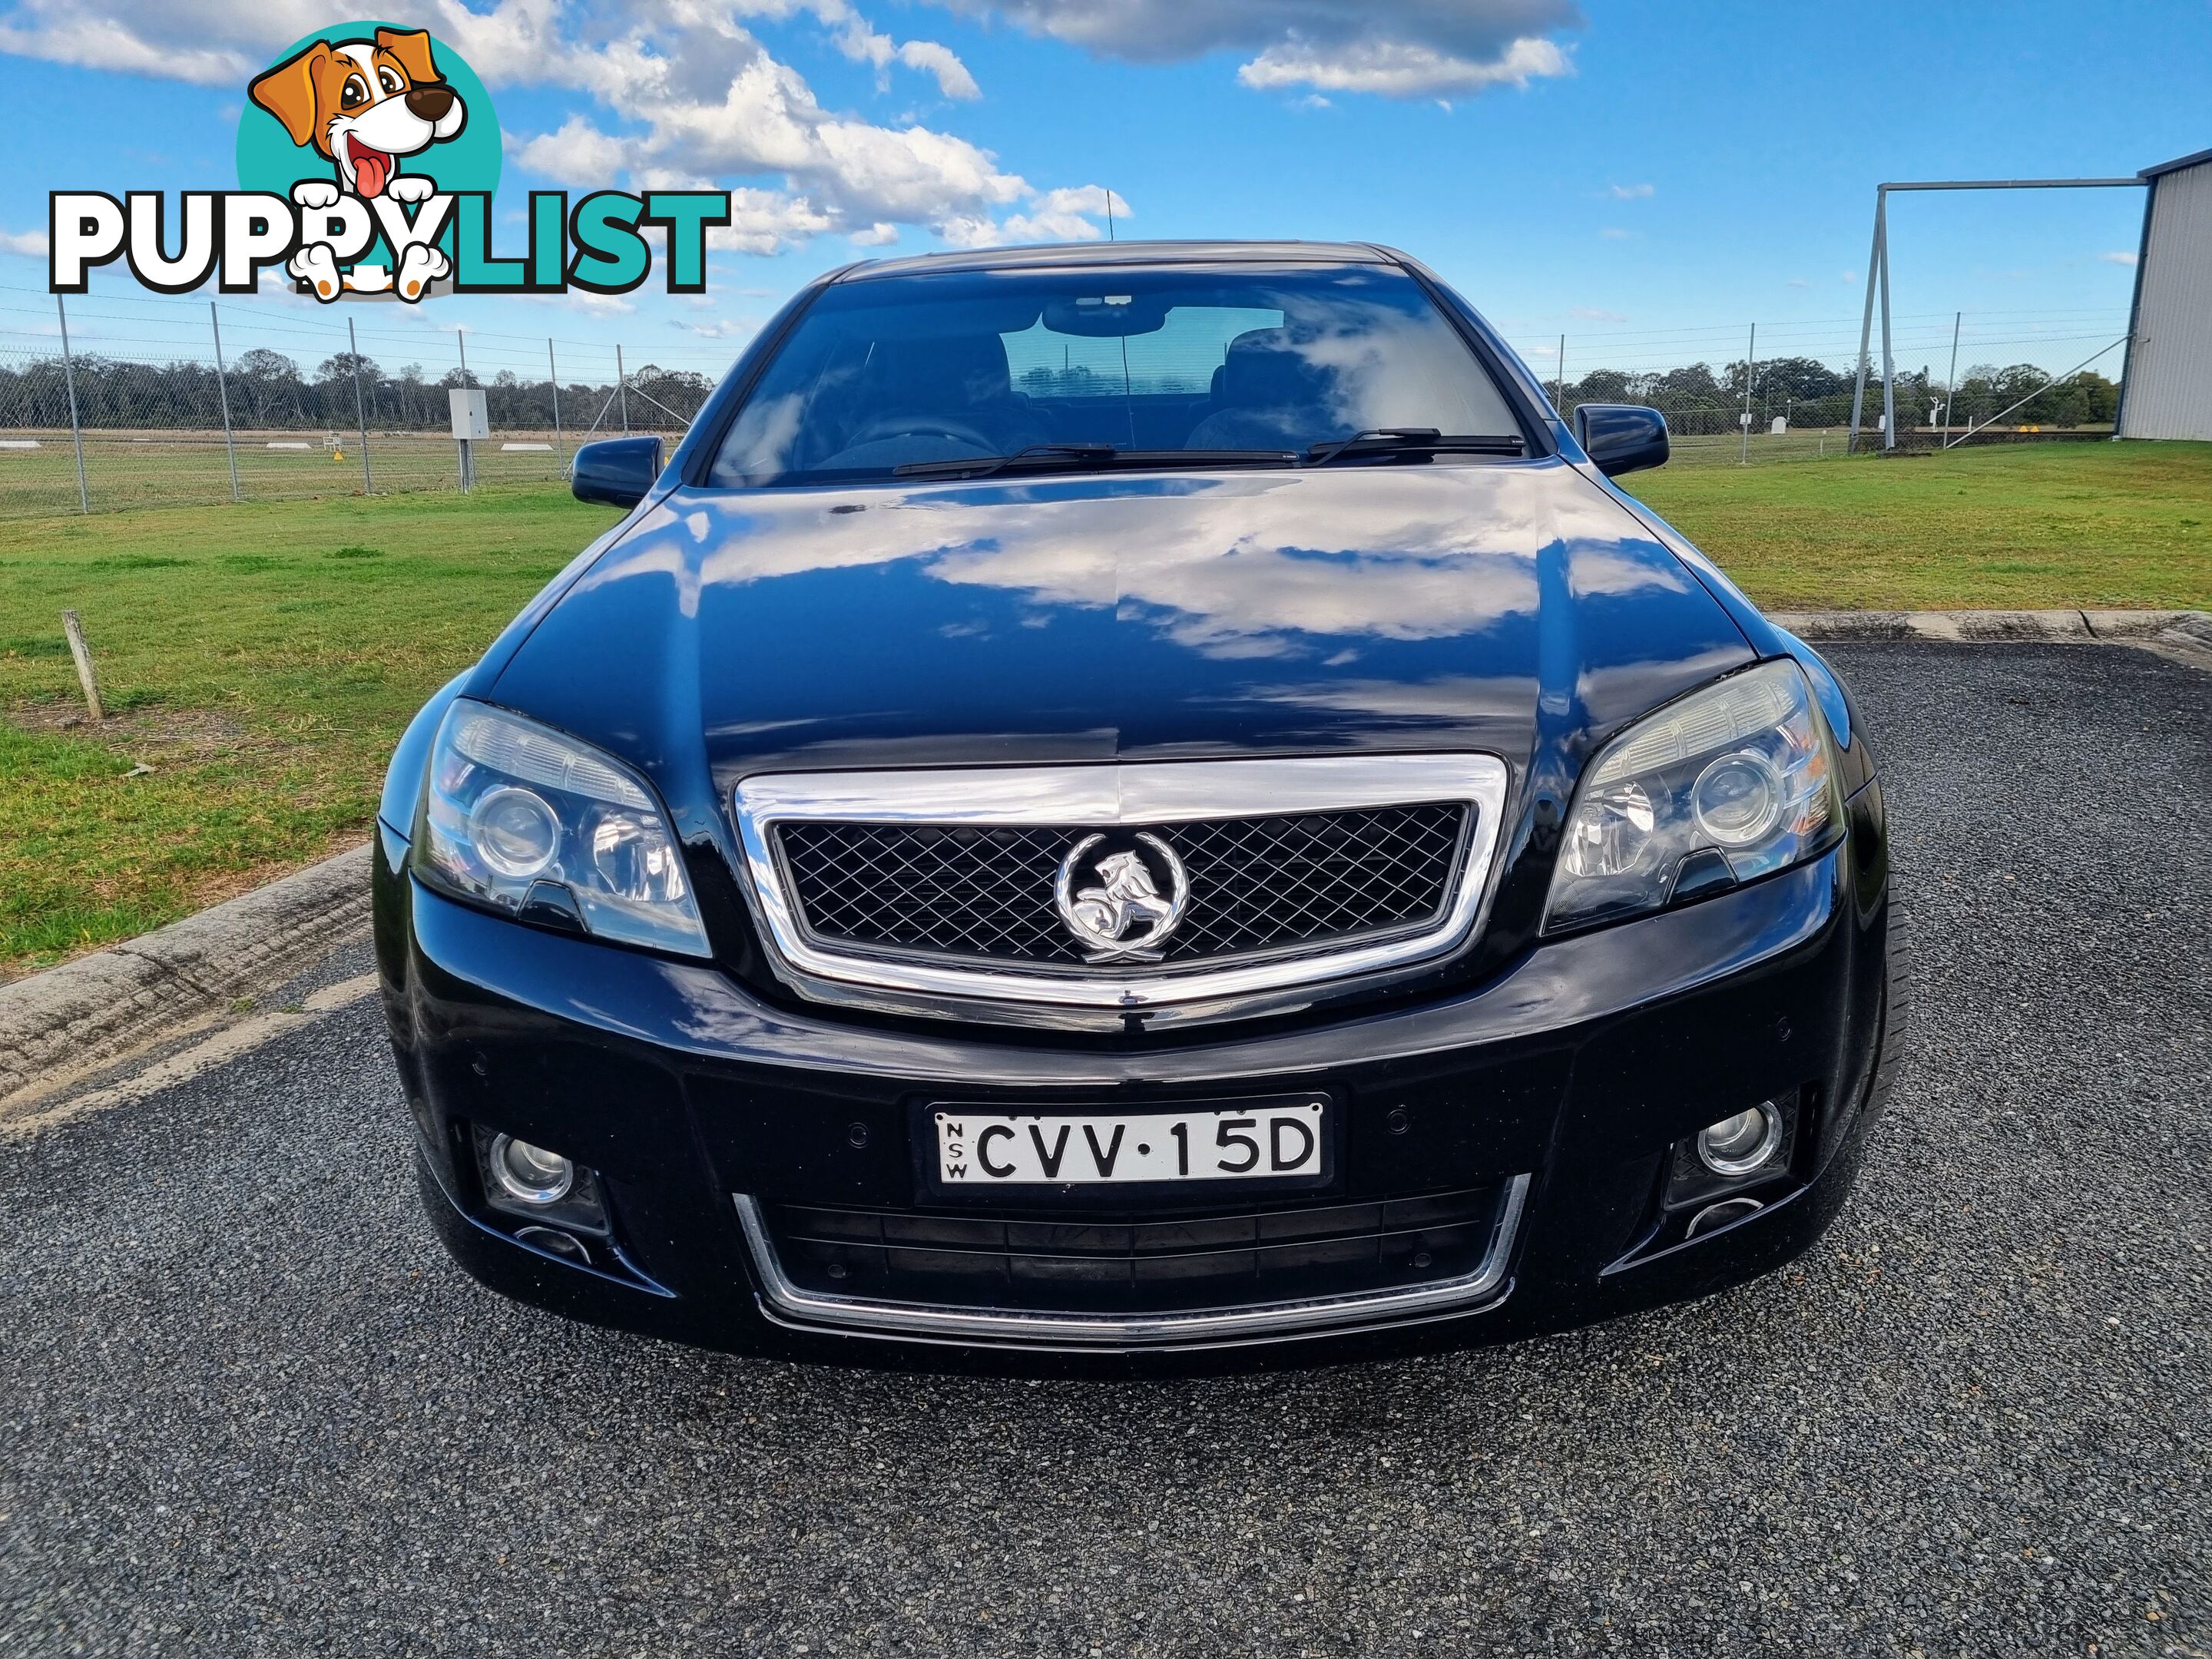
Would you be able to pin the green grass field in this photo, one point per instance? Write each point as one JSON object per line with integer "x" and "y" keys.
{"x": 153, "y": 468}
{"x": 2007, "y": 528}
{"x": 262, "y": 659}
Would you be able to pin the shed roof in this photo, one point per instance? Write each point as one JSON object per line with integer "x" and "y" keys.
{"x": 2177, "y": 164}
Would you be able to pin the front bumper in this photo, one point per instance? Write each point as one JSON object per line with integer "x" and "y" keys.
{"x": 1555, "y": 1093}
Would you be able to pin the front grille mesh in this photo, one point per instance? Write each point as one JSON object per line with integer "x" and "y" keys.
{"x": 1134, "y": 1262}
{"x": 1257, "y": 885}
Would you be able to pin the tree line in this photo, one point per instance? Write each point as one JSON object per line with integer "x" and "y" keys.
{"x": 266, "y": 389}
{"x": 1807, "y": 392}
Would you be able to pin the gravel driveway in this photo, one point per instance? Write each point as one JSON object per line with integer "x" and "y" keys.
{"x": 247, "y": 1407}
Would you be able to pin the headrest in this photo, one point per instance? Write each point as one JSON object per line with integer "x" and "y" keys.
{"x": 1265, "y": 369}
{"x": 941, "y": 373}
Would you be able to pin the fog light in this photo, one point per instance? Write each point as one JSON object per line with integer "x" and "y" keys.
{"x": 552, "y": 1240}
{"x": 1714, "y": 1216}
{"x": 529, "y": 1174}
{"x": 1740, "y": 1144}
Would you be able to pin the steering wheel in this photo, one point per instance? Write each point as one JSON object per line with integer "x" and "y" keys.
{"x": 885, "y": 427}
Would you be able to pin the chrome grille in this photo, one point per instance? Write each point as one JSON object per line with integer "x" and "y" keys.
{"x": 930, "y": 890}
{"x": 1258, "y": 884}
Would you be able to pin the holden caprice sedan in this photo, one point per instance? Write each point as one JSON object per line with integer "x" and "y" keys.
{"x": 1145, "y": 804}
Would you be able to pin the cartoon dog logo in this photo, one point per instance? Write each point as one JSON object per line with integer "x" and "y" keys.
{"x": 363, "y": 105}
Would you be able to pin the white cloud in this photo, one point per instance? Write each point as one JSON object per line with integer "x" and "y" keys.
{"x": 1615, "y": 233}
{"x": 2118, "y": 258}
{"x": 697, "y": 100}
{"x": 1401, "y": 69}
{"x": 1591, "y": 314}
{"x": 882, "y": 233}
{"x": 857, "y": 40}
{"x": 31, "y": 244}
{"x": 576, "y": 150}
{"x": 1799, "y": 282}
{"x": 952, "y": 77}
{"x": 209, "y": 42}
{"x": 1393, "y": 48}
{"x": 727, "y": 328}
{"x": 1052, "y": 215}
{"x": 1090, "y": 199}
{"x": 583, "y": 299}
{"x": 668, "y": 92}
{"x": 1629, "y": 192}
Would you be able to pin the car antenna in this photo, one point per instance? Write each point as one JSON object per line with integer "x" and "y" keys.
{"x": 1109, "y": 213}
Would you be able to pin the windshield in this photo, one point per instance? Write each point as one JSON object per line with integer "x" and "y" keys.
{"x": 1192, "y": 366}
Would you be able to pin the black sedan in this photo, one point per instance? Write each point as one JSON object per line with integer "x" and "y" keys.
{"x": 1129, "y": 803}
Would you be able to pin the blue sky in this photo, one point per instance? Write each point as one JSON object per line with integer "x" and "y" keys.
{"x": 1647, "y": 180}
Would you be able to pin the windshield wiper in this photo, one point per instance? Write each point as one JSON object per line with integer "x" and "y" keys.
{"x": 1040, "y": 456}
{"x": 1414, "y": 441}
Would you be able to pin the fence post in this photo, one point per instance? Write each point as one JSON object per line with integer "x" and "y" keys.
{"x": 76, "y": 432}
{"x": 85, "y": 677}
{"x": 223, "y": 392}
{"x": 1559, "y": 376}
{"x": 553, "y": 370}
{"x": 1750, "y": 359}
{"x": 1866, "y": 322}
{"x": 622, "y": 390}
{"x": 1951, "y": 386}
{"x": 468, "y": 452}
{"x": 360, "y": 412}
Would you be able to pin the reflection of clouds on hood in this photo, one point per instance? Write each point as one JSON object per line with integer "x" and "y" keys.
{"x": 1248, "y": 597}
{"x": 1605, "y": 570}
{"x": 1243, "y": 566}
{"x": 1444, "y": 699}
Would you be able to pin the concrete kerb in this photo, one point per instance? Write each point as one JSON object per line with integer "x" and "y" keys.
{"x": 2185, "y": 632}
{"x": 100, "y": 1008}
{"x": 63, "y": 1023}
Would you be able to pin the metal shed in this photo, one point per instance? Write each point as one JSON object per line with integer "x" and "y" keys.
{"x": 2167, "y": 385}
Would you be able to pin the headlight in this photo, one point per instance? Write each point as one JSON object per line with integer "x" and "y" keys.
{"x": 1725, "y": 784}
{"x": 519, "y": 817}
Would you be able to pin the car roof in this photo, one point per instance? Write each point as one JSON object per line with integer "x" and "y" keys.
{"x": 1061, "y": 256}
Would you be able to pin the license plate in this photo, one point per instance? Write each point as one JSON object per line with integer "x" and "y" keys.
{"x": 1278, "y": 1140}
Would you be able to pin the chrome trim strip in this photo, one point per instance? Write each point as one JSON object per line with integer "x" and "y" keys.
{"x": 1155, "y": 792}
{"x": 925, "y": 1322}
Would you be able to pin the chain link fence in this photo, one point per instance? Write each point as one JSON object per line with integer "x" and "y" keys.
{"x": 124, "y": 401}
{"x": 115, "y": 402}
{"x": 1748, "y": 395}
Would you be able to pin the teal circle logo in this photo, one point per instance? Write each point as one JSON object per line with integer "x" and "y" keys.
{"x": 362, "y": 103}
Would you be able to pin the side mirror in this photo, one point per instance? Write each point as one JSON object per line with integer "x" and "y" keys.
{"x": 1621, "y": 437}
{"x": 616, "y": 472}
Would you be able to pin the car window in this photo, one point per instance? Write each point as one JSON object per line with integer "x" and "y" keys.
{"x": 913, "y": 369}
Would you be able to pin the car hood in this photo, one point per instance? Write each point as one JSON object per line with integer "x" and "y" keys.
{"x": 1429, "y": 607}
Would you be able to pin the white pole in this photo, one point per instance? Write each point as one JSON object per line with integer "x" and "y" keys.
{"x": 1951, "y": 386}
{"x": 1866, "y": 328}
{"x": 360, "y": 410}
{"x": 553, "y": 369}
{"x": 222, "y": 391}
{"x": 76, "y": 430}
{"x": 1888, "y": 363}
{"x": 1750, "y": 357}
